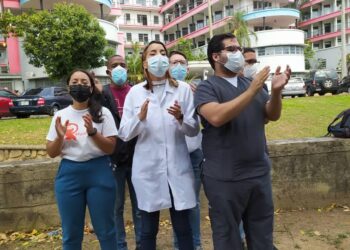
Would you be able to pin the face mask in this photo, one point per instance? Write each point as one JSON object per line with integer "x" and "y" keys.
{"x": 158, "y": 65}
{"x": 119, "y": 75}
{"x": 80, "y": 92}
{"x": 250, "y": 71}
{"x": 235, "y": 61}
{"x": 178, "y": 72}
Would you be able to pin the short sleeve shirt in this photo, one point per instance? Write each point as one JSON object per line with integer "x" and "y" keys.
{"x": 77, "y": 145}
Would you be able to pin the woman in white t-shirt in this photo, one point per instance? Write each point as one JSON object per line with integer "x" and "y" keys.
{"x": 160, "y": 113}
{"x": 84, "y": 134}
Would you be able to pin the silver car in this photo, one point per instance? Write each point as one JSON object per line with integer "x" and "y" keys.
{"x": 295, "y": 87}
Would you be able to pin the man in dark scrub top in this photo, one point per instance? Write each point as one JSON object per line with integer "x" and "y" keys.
{"x": 236, "y": 167}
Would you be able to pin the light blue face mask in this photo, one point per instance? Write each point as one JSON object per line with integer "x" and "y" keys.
{"x": 119, "y": 75}
{"x": 158, "y": 65}
{"x": 178, "y": 72}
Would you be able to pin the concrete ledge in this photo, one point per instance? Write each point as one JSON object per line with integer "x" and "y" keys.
{"x": 10, "y": 153}
{"x": 308, "y": 173}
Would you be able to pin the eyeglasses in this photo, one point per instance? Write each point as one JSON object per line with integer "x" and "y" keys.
{"x": 182, "y": 63}
{"x": 232, "y": 48}
{"x": 251, "y": 61}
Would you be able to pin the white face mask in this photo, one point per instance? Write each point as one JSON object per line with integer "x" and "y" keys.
{"x": 250, "y": 71}
{"x": 235, "y": 61}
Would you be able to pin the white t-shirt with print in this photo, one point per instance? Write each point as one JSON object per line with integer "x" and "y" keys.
{"x": 77, "y": 145}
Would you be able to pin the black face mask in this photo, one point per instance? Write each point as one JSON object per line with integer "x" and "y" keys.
{"x": 79, "y": 92}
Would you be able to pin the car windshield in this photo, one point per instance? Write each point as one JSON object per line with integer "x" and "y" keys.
{"x": 326, "y": 74}
{"x": 33, "y": 91}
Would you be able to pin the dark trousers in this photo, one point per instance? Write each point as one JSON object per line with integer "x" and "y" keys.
{"x": 231, "y": 201}
{"x": 181, "y": 226}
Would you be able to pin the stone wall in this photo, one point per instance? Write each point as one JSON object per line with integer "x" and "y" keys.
{"x": 22, "y": 152}
{"x": 308, "y": 173}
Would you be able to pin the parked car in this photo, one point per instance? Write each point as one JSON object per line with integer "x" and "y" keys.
{"x": 295, "y": 87}
{"x": 321, "y": 81}
{"x": 40, "y": 101}
{"x": 6, "y": 97}
{"x": 345, "y": 85}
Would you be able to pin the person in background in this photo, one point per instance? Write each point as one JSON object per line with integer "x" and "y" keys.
{"x": 160, "y": 113}
{"x": 84, "y": 134}
{"x": 236, "y": 167}
{"x": 113, "y": 98}
{"x": 179, "y": 70}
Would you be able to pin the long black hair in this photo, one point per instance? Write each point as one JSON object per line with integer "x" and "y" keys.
{"x": 94, "y": 103}
{"x": 171, "y": 80}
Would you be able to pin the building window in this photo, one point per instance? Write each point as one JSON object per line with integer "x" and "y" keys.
{"x": 143, "y": 38}
{"x": 142, "y": 19}
{"x": 327, "y": 28}
{"x": 258, "y": 5}
{"x": 217, "y": 15}
{"x": 201, "y": 43}
{"x": 184, "y": 31}
{"x": 171, "y": 37}
{"x": 328, "y": 44}
{"x": 200, "y": 24}
{"x": 156, "y": 20}
{"x": 155, "y": 2}
{"x": 127, "y": 16}
{"x": 157, "y": 37}
{"x": 128, "y": 37}
{"x": 178, "y": 34}
{"x": 229, "y": 10}
{"x": 261, "y": 51}
{"x": 316, "y": 46}
{"x": 141, "y": 2}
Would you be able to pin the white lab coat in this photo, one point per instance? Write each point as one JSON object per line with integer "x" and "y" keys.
{"x": 161, "y": 157}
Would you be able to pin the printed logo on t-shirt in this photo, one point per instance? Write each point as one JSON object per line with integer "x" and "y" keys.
{"x": 72, "y": 129}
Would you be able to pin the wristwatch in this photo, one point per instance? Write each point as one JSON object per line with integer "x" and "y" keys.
{"x": 94, "y": 132}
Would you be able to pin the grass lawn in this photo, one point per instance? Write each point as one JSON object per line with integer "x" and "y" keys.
{"x": 301, "y": 117}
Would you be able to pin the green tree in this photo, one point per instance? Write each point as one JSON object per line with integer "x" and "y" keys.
{"x": 185, "y": 46}
{"x": 240, "y": 29}
{"x": 134, "y": 63}
{"x": 59, "y": 40}
{"x": 309, "y": 54}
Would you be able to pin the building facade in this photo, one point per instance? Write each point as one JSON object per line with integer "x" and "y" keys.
{"x": 321, "y": 23}
{"x": 18, "y": 74}
{"x": 140, "y": 23}
{"x": 276, "y": 38}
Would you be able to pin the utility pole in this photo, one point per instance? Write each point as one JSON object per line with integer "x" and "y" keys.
{"x": 210, "y": 20}
{"x": 343, "y": 41}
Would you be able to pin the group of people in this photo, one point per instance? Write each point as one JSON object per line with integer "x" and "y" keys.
{"x": 148, "y": 137}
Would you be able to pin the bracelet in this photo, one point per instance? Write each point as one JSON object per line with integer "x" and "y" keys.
{"x": 94, "y": 132}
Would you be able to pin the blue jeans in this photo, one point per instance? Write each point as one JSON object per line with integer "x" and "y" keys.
{"x": 123, "y": 175}
{"x": 81, "y": 184}
{"x": 194, "y": 213}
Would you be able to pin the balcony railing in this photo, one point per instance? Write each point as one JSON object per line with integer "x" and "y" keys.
{"x": 183, "y": 10}
{"x": 153, "y": 3}
{"x": 141, "y": 23}
{"x": 171, "y": 39}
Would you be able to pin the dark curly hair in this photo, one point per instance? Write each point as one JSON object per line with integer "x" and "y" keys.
{"x": 94, "y": 103}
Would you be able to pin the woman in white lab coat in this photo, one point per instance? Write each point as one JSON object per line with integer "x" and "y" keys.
{"x": 160, "y": 113}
